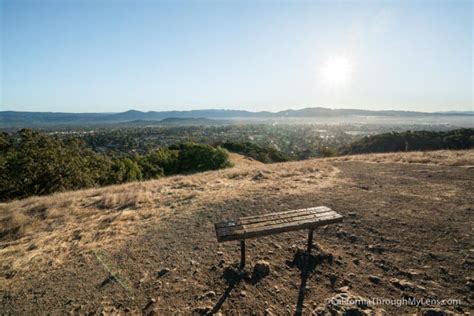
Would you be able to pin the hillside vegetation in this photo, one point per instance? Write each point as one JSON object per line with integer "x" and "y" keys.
{"x": 33, "y": 163}
{"x": 149, "y": 247}
{"x": 413, "y": 141}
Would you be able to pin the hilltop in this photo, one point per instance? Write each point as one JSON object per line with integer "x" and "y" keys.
{"x": 149, "y": 247}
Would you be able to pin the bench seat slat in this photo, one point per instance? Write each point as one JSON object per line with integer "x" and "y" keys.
{"x": 273, "y": 221}
{"x": 318, "y": 208}
{"x": 268, "y": 224}
{"x": 269, "y": 216}
{"x": 280, "y": 228}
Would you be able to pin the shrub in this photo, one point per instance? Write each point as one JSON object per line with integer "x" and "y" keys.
{"x": 198, "y": 157}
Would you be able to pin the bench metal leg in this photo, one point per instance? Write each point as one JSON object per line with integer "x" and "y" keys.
{"x": 310, "y": 240}
{"x": 242, "y": 254}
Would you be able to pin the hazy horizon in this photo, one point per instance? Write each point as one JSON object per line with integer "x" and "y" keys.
{"x": 229, "y": 109}
{"x": 91, "y": 57}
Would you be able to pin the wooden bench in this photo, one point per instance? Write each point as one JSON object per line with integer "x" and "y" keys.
{"x": 275, "y": 223}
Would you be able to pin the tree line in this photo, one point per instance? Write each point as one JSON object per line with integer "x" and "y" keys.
{"x": 33, "y": 163}
{"x": 412, "y": 141}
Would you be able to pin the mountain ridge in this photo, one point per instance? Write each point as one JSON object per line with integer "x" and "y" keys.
{"x": 16, "y": 118}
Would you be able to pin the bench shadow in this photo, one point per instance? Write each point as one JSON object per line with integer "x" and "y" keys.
{"x": 306, "y": 263}
{"x": 233, "y": 277}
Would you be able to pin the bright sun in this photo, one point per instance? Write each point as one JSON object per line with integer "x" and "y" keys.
{"x": 337, "y": 70}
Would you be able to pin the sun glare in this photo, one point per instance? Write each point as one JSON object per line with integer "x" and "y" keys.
{"x": 337, "y": 70}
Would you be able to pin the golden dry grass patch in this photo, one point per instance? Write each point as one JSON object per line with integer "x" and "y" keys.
{"x": 440, "y": 157}
{"x": 40, "y": 230}
{"x": 46, "y": 230}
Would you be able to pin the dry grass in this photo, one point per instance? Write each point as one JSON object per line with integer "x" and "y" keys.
{"x": 46, "y": 230}
{"x": 121, "y": 200}
{"x": 440, "y": 157}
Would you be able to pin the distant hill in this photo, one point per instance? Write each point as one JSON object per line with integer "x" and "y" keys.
{"x": 175, "y": 121}
{"x": 18, "y": 119}
{"x": 190, "y": 121}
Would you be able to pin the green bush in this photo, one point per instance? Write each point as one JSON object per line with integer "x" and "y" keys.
{"x": 327, "y": 152}
{"x": 166, "y": 158}
{"x": 198, "y": 157}
{"x": 125, "y": 170}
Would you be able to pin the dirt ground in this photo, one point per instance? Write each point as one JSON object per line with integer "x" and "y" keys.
{"x": 406, "y": 235}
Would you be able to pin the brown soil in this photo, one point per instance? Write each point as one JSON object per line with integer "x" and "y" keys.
{"x": 151, "y": 247}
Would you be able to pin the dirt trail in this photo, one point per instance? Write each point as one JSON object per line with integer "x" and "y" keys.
{"x": 407, "y": 233}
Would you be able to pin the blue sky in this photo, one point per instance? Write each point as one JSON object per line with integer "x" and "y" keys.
{"x": 111, "y": 56}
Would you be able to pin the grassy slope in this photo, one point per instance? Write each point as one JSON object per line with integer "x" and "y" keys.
{"x": 62, "y": 246}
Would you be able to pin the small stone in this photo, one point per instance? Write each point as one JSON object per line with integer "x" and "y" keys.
{"x": 376, "y": 248}
{"x": 220, "y": 253}
{"x": 243, "y": 293}
{"x": 261, "y": 269}
{"x": 470, "y": 283}
{"x": 352, "y": 214}
{"x": 209, "y": 294}
{"x": 468, "y": 262}
{"x": 356, "y": 261}
{"x": 268, "y": 312}
{"x": 402, "y": 284}
{"x": 414, "y": 272}
{"x": 162, "y": 272}
{"x": 342, "y": 233}
{"x": 332, "y": 279}
{"x": 203, "y": 310}
{"x": 343, "y": 289}
{"x": 277, "y": 246}
{"x": 374, "y": 279}
{"x": 406, "y": 285}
